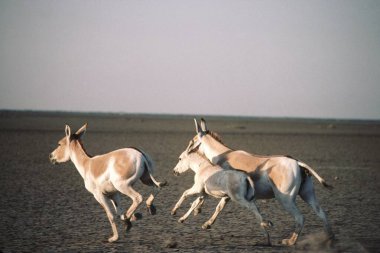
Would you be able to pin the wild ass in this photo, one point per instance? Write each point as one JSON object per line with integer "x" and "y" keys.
{"x": 219, "y": 183}
{"x": 108, "y": 175}
{"x": 280, "y": 177}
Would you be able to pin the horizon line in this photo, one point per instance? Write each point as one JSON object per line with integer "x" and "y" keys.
{"x": 185, "y": 115}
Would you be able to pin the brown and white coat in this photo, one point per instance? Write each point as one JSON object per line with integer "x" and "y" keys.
{"x": 107, "y": 176}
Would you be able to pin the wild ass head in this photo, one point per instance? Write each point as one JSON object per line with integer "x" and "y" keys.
{"x": 62, "y": 152}
{"x": 183, "y": 161}
{"x": 182, "y": 165}
{"x": 201, "y": 133}
{"x": 188, "y": 160}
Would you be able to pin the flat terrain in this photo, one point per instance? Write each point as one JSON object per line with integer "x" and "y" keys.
{"x": 45, "y": 207}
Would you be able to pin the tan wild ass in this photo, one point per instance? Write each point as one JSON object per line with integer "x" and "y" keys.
{"x": 219, "y": 183}
{"x": 108, "y": 175}
{"x": 280, "y": 177}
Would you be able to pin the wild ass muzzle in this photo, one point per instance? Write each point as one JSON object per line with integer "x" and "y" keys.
{"x": 220, "y": 183}
{"x": 278, "y": 176}
{"x": 107, "y": 176}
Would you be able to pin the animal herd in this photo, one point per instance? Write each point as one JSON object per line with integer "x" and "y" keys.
{"x": 220, "y": 172}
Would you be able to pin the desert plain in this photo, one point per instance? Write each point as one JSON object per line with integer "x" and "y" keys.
{"x": 46, "y": 208}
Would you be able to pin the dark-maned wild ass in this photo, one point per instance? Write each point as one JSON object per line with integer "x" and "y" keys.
{"x": 108, "y": 175}
{"x": 219, "y": 183}
{"x": 280, "y": 177}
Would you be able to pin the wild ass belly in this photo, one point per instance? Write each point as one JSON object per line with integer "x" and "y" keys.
{"x": 222, "y": 183}
{"x": 215, "y": 191}
{"x": 263, "y": 187}
{"x": 100, "y": 186}
{"x": 108, "y": 188}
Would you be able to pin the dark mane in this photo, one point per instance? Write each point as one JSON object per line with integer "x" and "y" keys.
{"x": 216, "y": 136}
{"x": 84, "y": 150}
{"x": 76, "y": 137}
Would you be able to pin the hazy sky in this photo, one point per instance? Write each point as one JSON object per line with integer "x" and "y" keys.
{"x": 253, "y": 58}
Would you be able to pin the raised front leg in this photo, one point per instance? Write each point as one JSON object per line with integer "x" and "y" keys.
{"x": 194, "y": 205}
{"x": 218, "y": 209}
{"x": 193, "y": 190}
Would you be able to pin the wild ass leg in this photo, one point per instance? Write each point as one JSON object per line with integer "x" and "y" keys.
{"x": 116, "y": 204}
{"x": 107, "y": 205}
{"x": 218, "y": 209}
{"x": 194, "y": 205}
{"x": 193, "y": 190}
{"x": 264, "y": 224}
{"x": 149, "y": 202}
{"x": 198, "y": 208}
{"x": 290, "y": 206}
{"x": 136, "y": 198}
{"x": 308, "y": 195}
{"x": 136, "y": 201}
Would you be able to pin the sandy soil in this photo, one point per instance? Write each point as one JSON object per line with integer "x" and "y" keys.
{"x": 46, "y": 208}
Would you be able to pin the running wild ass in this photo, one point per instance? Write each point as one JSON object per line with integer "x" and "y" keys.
{"x": 108, "y": 175}
{"x": 280, "y": 177}
{"x": 219, "y": 183}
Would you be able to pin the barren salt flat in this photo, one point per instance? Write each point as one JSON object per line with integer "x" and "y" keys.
{"x": 46, "y": 208}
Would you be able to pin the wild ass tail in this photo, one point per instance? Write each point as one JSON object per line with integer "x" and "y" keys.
{"x": 149, "y": 167}
{"x": 250, "y": 195}
{"x": 307, "y": 168}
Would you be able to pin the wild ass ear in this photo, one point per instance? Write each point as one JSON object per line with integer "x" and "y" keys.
{"x": 192, "y": 146}
{"x": 197, "y": 127}
{"x": 81, "y": 131}
{"x": 187, "y": 150}
{"x": 67, "y": 131}
{"x": 203, "y": 125}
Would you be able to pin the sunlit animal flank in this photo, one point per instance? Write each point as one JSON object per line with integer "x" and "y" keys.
{"x": 107, "y": 176}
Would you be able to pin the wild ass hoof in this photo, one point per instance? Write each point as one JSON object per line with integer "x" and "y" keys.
{"x": 127, "y": 225}
{"x": 162, "y": 184}
{"x": 197, "y": 211}
{"x": 173, "y": 212}
{"x": 266, "y": 224}
{"x": 136, "y": 216}
{"x": 151, "y": 209}
{"x": 181, "y": 220}
{"x": 113, "y": 238}
{"x": 291, "y": 241}
{"x": 288, "y": 242}
{"x": 206, "y": 226}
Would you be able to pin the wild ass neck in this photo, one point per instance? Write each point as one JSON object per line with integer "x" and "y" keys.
{"x": 78, "y": 156}
{"x": 213, "y": 149}
{"x": 198, "y": 164}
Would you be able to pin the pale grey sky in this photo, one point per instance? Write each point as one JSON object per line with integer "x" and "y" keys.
{"x": 251, "y": 58}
